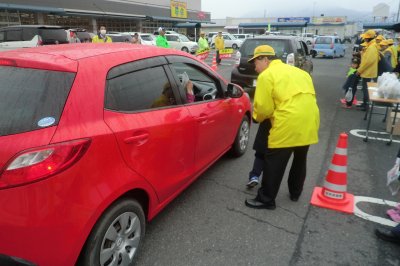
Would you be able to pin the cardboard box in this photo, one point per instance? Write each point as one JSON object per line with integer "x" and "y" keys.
{"x": 389, "y": 121}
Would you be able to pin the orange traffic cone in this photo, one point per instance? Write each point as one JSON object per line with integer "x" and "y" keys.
{"x": 333, "y": 195}
{"x": 355, "y": 100}
{"x": 214, "y": 63}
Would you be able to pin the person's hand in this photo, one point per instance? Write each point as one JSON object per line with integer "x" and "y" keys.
{"x": 189, "y": 87}
{"x": 358, "y": 73}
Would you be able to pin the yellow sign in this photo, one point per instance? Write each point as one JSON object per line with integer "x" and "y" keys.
{"x": 178, "y": 9}
{"x": 226, "y": 51}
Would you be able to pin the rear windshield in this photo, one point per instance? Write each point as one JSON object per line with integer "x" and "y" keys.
{"x": 281, "y": 47}
{"x": 323, "y": 40}
{"x": 31, "y": 99}
{"x": 51, "y": 36}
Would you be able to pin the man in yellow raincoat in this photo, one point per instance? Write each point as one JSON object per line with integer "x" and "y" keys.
{"x": 285, "y": 94}
{"x": 368, "y": 69}
{"x": 219, "y": 45}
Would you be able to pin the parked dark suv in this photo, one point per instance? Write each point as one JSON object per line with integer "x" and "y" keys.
{"x": 291, "y": 49}
{"x": 26, "y": 36}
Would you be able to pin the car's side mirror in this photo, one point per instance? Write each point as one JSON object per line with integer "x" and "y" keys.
{"x": 234, "y": 91}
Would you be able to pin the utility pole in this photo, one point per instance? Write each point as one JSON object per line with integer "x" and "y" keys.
{"x": 398, "y": 11}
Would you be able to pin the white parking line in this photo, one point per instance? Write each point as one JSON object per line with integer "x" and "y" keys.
{"x": 372, "y": 218}
{"x": 361, "y": 134}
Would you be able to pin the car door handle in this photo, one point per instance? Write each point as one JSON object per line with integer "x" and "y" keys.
{"x": 138, "y": 139}
{"x": 202, "y": 119}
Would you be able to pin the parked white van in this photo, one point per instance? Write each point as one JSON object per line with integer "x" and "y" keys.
{"x": 181, "y": 42}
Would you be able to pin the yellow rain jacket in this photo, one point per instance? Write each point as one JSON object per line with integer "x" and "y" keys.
{"x": 369, "y": 62}
{"x": 286, "y": 95}
{"x": 219, "y": 43}
{"x": 395, "y": 55}
{"x": 98, "y": 39}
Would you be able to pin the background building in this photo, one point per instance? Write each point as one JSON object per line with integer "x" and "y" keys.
{"x": 116, "y": 15}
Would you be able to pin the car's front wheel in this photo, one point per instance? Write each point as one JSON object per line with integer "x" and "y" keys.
{"x": 185, "y": 49}
{"x": 234, "y": 46}
{"x": 241, "y": 142}
{"x": 117, "y": 236}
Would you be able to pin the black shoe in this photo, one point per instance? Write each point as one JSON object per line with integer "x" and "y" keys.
{"x": 387, "y": 235}
{"x": 294, "y": 198}
{"x": 254, "y": 203}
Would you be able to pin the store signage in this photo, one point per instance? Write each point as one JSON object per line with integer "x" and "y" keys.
{"x": 178, "y": 9}
{"x": 329, "y": 20}
{"x": 295, "y": 19}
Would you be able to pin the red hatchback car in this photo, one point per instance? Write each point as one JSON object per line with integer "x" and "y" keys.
{"x": 98, "y": 138}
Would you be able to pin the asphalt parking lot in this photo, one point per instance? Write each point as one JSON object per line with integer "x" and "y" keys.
{"x": 208, "y": 224}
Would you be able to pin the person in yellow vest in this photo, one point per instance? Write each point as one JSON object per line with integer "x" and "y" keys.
{"x": 368, "y": 69}
{"x": 285, "y": 94}
{"x": 387, "y": 53}
{"x": 395, "y": 53}
{"x": 101, "y": 37}
{"x": 378, "y": 39}
{"x": 219, "y": 45}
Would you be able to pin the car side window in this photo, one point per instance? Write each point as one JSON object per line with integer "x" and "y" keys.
{"x": 135, "y": 91}
{"x": 299, "y": 48}
{"x": 14, "y": 35}
{"x": 205, "y": 87}
{"x": 29, "y": 33}
{"x": 226, "y": 37}
{"x": 337, "y": 41}
{"x": 172, "y": 38}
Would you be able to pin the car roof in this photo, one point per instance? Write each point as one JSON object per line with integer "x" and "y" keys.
{"x": 276, "y": 37}
{"x": 35, "y": 26}
{"x": 85, "y": 50}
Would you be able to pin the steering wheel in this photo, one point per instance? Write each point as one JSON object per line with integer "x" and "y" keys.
{"x": 210, "y": 94}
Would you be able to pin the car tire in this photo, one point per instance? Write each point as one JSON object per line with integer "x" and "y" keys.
{"x": 185, "y": 49}
{"x": 234, "y": 46}
{"x": 127, "y": 242}
{"x": 241, "y": 142}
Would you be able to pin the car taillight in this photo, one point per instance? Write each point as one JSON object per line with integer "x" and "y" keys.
{"x": 238, "y": 56}
{"x": 7, "y": 62}
{"x": 332, "y": 45}
{"x": 290, "y": 59}
{"x": 40, "y": 163}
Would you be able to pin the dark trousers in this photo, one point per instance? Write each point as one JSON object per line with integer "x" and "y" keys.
{"x": 258, "y": 165}
{"x": 396, "y": 230}
{"x": 275, "y": 163}
{"x": 217, "y": 57}
{"x": 351, "y": 84}
{"x": 365, "y": 90}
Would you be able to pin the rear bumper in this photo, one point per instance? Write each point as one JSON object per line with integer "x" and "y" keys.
{"x": 242, "y": 79}
{"x": 324, "y": 52}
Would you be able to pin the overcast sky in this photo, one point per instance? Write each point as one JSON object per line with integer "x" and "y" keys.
{"x": 284, "y": 8}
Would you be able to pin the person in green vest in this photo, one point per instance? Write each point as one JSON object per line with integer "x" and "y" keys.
{"x": 161, "y": 40}
{"x": 203, "y": 43}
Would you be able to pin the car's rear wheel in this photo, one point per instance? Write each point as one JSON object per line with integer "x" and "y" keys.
{"x": 185, "y": 49}
{"x": 234, "y": 46}
{"x": 241, "y": 142}
{"x": 117, "y": 236}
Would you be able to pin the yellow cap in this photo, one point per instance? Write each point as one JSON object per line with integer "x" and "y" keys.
{"x": 262, "y": 50}
{"x": 390, "y": 41}
{"x": 369, "y": 34}
{"x": 380, "y": 37}
{"x": 202, "y": 33}
{"x": 384, "y": 43}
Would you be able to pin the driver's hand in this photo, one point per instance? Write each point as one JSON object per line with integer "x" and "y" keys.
{"x": 189, "y": 87}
